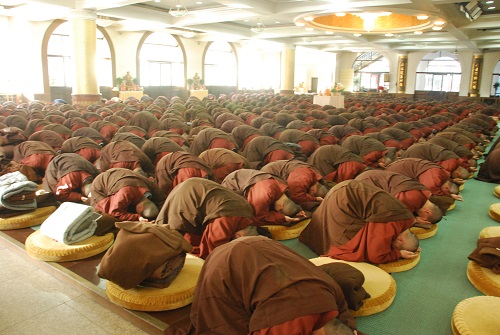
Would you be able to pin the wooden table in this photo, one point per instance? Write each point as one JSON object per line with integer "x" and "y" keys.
{"x": 334, "y": 100}
{"x": 123, "y": 95}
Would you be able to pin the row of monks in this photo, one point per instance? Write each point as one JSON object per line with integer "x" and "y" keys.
{"x": 219, "y": 169}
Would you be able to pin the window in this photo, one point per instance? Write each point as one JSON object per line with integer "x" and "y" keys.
{"x": 439, "y": 71}
{"x": 60, "y": 66}
{"x": 495, "y": 91}
{"x": 220, "y": 65}
{"x": 161, "y": 61}
{"x": 371, "y": 70}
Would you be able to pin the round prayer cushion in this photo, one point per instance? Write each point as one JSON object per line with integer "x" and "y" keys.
{"x": 452, "y": 206}
{"x": 378, "y": 283}
{"x": 485, "y": 280}
{"x": 47, "y": 249}
{"x": 461, "y": 187}
{"x": 495, "y": 212}
{"x": 27, "y": 220}
{"x": 496, "y": 191}
{"x": 178, "y": 294}
{"x": 400, "y": 265}
{"x": 423, "y": 233}
{"x": 280, "y": 233}
{"x": 490, "y": 232}
{"x": 476, "y": 316}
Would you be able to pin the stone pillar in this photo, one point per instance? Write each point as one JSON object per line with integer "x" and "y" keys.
{"x": 475, "y": 78}
{"x": 402, "y": 73}
{"x": 83, "y": 35}
{"x": 287, "y": 70}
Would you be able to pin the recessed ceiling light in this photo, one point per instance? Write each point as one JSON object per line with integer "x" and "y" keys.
{"x": 422, "y": 17}
{"x": 246, "y": 20}
{"x": 329, "y": 32}
{"x": 309, "y": 29}
{"x": 389, "y": 34}
{"x": 418, "y": 32}
{"x": 437, "y": 28}
{"x": 491, "y": 7}
{"x": 300, "y": 24}
{"x": 489, "y": 2}
{"x": 439, "y": 22}
{"x": 277, "y": 22}
{"x": 199, "y": 2}
{"x": 340, "y": 14}
{"x": 238, "y": 5}
{"x": 357, "y": 34}
{"x": 309, "y": 18}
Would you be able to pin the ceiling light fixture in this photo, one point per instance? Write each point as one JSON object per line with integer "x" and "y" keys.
{"x": 329, "y": 32}
{"x": 178, "y": 11}
{"x": 422, "y": 17}
{"x": 300, "y": 24}
{"x": 357, "y": 34}
{"x": 389, "y": 34}
{"x": 340, "y": 14}
{"x": 455, "y": 52}
{"x": 259, "y": 27}
{"x": 491, "y": 7}
{"x": 309, "y": 29}
{"x": 189, "y": 34}
{"x": 309, "y": 18}
{"x": 103, "y": 21}
{"x": 439, "y": 22}
{"x": 370, "y": 18}
{"x": 418, "y": 32}
{"x": 437, "y": 28}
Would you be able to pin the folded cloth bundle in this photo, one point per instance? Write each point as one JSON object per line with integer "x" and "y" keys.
{"x": 351, "y": 282}
{"x": 139, "y": 250}
{"x": 165, "y": 274}
{"x": 70, "y": 223}
{"x": 16, "y": 192}
{"x": 487, "y": 253}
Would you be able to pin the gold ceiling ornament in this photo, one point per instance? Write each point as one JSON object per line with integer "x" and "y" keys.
{"x": 380, "y": 22}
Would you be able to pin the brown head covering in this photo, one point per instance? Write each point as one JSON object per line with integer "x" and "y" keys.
{"x": 48, "y": 136}
{"x": 327, "y": 158}
{"x": 123, "y": 151}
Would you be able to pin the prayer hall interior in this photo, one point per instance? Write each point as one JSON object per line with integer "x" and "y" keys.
{"x": 108, "y": 109}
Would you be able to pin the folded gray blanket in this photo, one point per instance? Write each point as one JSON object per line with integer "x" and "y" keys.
{"x": 16, "y": 183}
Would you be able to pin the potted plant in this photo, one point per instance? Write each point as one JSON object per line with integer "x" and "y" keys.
{"x": 495, "y": 86}
{"x": 190, "y": 83}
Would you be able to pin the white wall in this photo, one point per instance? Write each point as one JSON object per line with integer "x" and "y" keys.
{"x": 490, "y": 60}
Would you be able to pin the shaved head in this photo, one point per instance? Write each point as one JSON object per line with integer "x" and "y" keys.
{"x": 286, "y": 206}
{"x": 430, "y": 212}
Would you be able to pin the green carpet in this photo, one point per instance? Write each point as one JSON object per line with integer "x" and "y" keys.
{"x": 427, "y": 294}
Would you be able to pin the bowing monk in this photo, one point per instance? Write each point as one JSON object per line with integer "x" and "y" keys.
{"x": 243, "y": 134}
{"x": 69, "y": 176}
{"x": 157, "y": 147}
{"x": 34, "y": 154}
{"x": 361, "y": 223}
{"x": 49, "y": 137}
{"x": 125, "y": 195}
{"x": 210, "y": 138}
{"x": 489, "y": 170}
{"x": 431, "y": 175}
{"x": 337, "y": 163}
{"x": 372, "y": 151}
{"x": 123, "y": 154}
{"x": 410, "y": 192}
{"x": 176, "y": 167}
{"x": 307, "y": 142}
{"x": 208, "y": 214}
{"x": 266, "y": 194}
{"x": 272, "y": 290}
{"x": 83, "y": 146}
{"x": 223, "y": 162}
{"x": 437, "y": 154}
{"x": 264, "y": 149}
{"x": 305, "y": 182}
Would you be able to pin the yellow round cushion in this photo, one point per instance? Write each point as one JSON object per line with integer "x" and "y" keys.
{"x": 483, "y": 279}
{"x": 178, "y": 294}
{"x": 280, "y": 233}
{"x": 46, "y": 249}
{"x": 476, "y": 316}
{"x": 490, "y": 232}
{"x": 400, "y": 265}
{"x": 378, "y": 283}
{"x": 495, "y": 212}
{"x": 452, "y": 206}
{"x": 461, "y": 187}
{"x": 496, "y": 191}
{"x": 423, "y": 233}
{"x": 27, "y": 220}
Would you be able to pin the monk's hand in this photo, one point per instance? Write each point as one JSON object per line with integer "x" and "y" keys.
{"x": 382, "y": 165}
{"x": 458, "y": 181}
{"x": 84, "y": 199}
{"x": 319, "y": 199}
{"x": 472, "y": 169}
{"x": 421, "y": 220}
{"x": 41, "y": 192}
{"x": 301, "y": 214}
{"x": 141, "y": 219}
{"x": 408, "y": 254}
{"x": 457, "y": 197}
{"x": 290, "y": 219}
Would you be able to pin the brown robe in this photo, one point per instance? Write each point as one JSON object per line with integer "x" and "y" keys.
{"x": 23, "y": 151}
{"x": 434, "y": 153}
{"x": 397, "y": 185}
{"x": 271, "y": 286}
{"x": 203, "y": 139}
{"x": 139, "y": 249}
{"x": 157, "y": 147}
{"x": 327, "y": 158}
{"x": 489, "y": 170}
{"x": 63, "y": 164}
{"x": 487, "y": 253}
{"x": 307, "y": 142}
{"x": 223, "y": 162}
{"x": 359, "y": 222}
{"x": 90, "y": 133}
{"x": 171, "y": 165}
{"x": 244, "y": 134}
{"x": 145, "y": 120}
{"x": 48, "y": 136}
{"x": 300, "y": 176}
{"x": 258, "y": 148}
{"x": 124, "y": 152}
{"x": 368, "y": 148}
